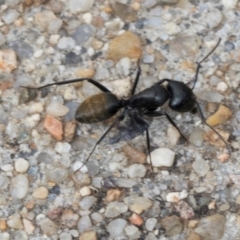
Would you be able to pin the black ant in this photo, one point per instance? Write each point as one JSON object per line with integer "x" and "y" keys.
{"x": 104, "y": 105}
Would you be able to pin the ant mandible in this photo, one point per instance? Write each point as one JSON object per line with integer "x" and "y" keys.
{"x": 104, "y": 105}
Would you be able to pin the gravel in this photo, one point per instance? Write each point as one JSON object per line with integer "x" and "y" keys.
{"x": 192, "y": 189}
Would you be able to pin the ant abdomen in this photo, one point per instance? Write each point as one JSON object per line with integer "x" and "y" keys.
{"x": 97, "y": 108}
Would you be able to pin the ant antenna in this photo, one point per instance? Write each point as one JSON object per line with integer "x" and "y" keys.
{"x": 199, "y": 63}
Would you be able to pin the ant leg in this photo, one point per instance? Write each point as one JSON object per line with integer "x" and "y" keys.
{"x": 200, "y": 62}
{"x": 94, "y": 82}
{"x": 136, "y": 78}
{"x": 140, "y": 121}
{"x": 161, "y": 113}
{"x": 212, "y": 128}
{"x": 120, "y": 118}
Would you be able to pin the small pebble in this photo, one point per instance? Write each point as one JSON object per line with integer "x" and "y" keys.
{"x": 173, "y": 225}
{"x": 223, "y": 157}
{"x": 28, "y": 226}
{"x": 125, "y": 45}
{"x": 66, "y": 43}
{"x": 186, "y": 212}
{"x": 214, "y": 139}
{"x": 54, "y": 39}
{"x": 136, "y": 171}
{"x": 69, "y": 218}
{"x": 124, "y": 11}
{"x": 196, "y": 136}
{"x": 76, "y": 6}
{"x": 132, "y": 232}
{"x": 136, "y": 220}
{"x": 83, "y": 33}
{"x": 21, "y": 165}
{"x": 150, "y": 224}
{"x": 220, "y": 116}
{"x": 43, "y": 18}
{"x": 222, "y": 86}
{"x": 206, "y": 225}
{"x": 2, "y": 39}
{"x": 40, "y": 193}
{"x": 229, "y": 4}
{"x": 85, "y": 191}
{"x": 116, "y": 227}
{"x": 9, "y": 16}
{"x": 3, "y": 225}
{"x": 113, "y": 195}
{"x": 97, "y": 217}
{"x": 20, "y": 186}
{"x": 48, "y": 226}
{"x": 84, "y": 73}
{"x": 57, "y": 175}
{"x": 87, "y": 202}
{"x": 4, "y": 181}
{"x": 214, "y": 18}
{"x": 8, "y": 60}
{"x": 38, "y": 53}
{"x": 114, "y": 209}
{"x": 15, "y": 222}
{"x": 89, "y": 235}
{"x": 134, "y": 155}
{"x": 173, "y": 135}
{"x": 139, "y": 204}
{"x": 53, "y": 126}
{"x": 162, "y": 157}
{"x": 176, "y": 196}
{"x": 193, "y": 236}
{"x": 56, "y": 109}
{"x": 84, "y": 224}
{"x": 201, "y": 167}
{"x": 69, "y": 130}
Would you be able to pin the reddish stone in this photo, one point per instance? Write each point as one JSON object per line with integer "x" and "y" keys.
{"x": 54, "y": 127}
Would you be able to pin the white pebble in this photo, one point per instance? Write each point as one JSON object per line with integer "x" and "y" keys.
{"x": 21, "y": 165}
{"x": 19, "y": 186}
{"x": 9, "y": 16}
{"x": 116, "y": 227}
{"x": 132, "y": 232}
{"x": 90, "y": 51}
{"x": 87, "y": 17}
{"x": 36, "y": 107}
{"x": 38, "y": 53}
{"x": 40, "y": 40}
{"x": 7, "y": 167}
{"x": 76, "y": 6}
{"x": 162, "y": 157}
{"x": 176, "y": 196}
{"x": 201, "y": 167}
{"x": 85, "y": 191}
{"x": 222, "y": 86}
{"x": 57, "y": 109}
{"x": 62, "y": 147}
{"x": 66, "y": 43}
{"x": 214, "y": 18}
{"x": 136, "y": 171}
{"x": 150, "y": 224}
{"x": 230, "y": 4}
{"x": 173, "y": 135}
{"x": 54, "y": 39}
{"x": 123, "y": 66}
{"x": 172, "y": 28}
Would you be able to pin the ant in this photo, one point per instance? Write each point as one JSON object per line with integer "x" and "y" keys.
{"x": 104, "y": 105}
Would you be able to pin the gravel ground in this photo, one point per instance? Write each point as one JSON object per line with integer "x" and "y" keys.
{"x": 46, "y": 192}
